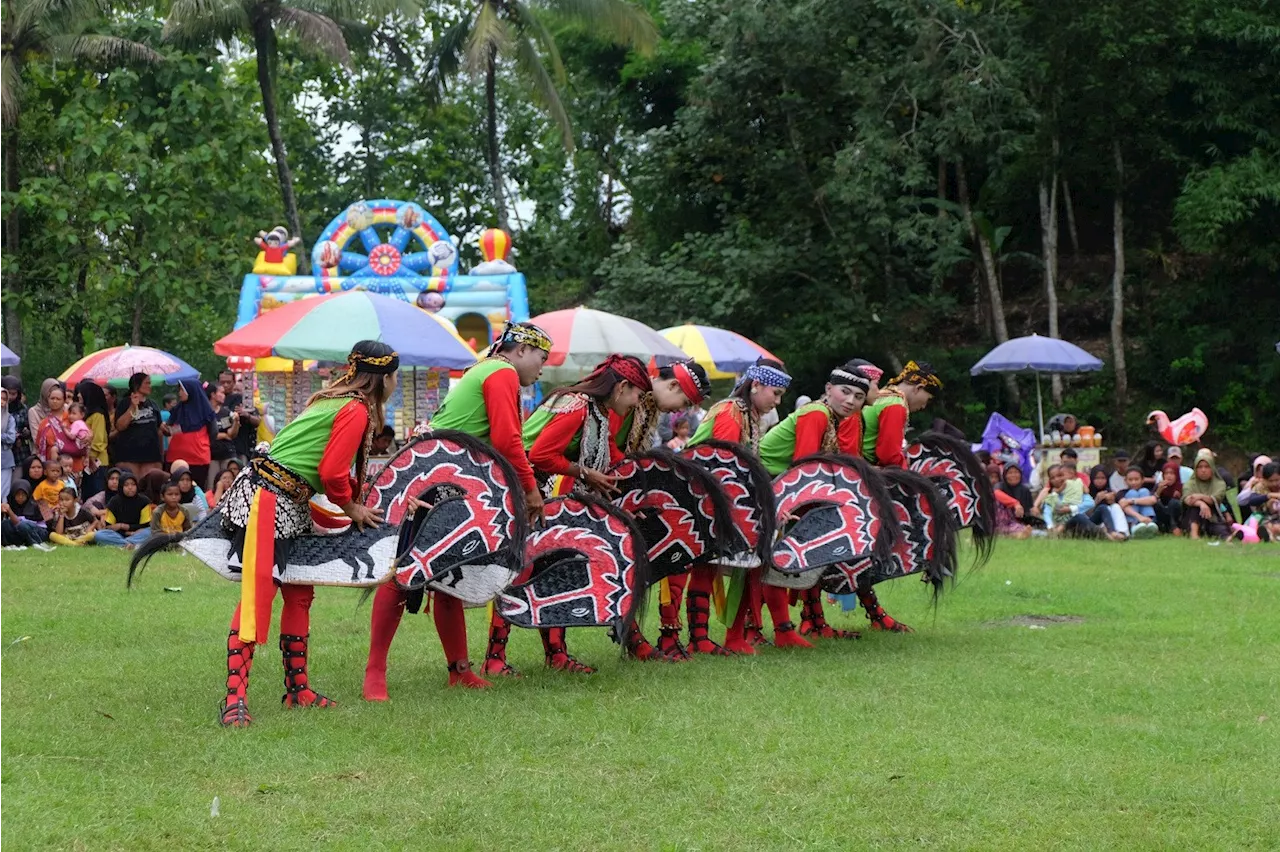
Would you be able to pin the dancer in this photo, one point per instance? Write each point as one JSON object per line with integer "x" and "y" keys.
{"x": 569, "y": 437}
{"x": 814, "y": 428}
{"x": 267, "y": 508}
{"x": 485, "y": 403}
{"x": 737, "y": 420}
{"x": 883, "y": 443}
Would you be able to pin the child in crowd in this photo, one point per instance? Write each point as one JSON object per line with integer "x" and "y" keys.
{"x": 73, "y": 526}
{"x": 70, "y": 478}
{"x": 1169, "y": 498}
{"x": 170, "y": 518}
{"x": 214, "y": 497}
{"x": 192, "y": 498}
{"x": 1138, "y": 504}
{"x": 169, "y": 403}
{"x": 1061, "y": 498}
{"x": 680, "y": 432}
{"x": 46, "y": 493}
{"x": 76, "y": 427}
{"x": 23, "y": 524}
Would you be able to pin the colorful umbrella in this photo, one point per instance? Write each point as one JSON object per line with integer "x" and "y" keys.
{"x": 114, "y": 365}
{"x": 584, "y": 337}
{"x": 8, "y": 358}
{"x": 324, "y": 328}
{"x": 722, "y": 353}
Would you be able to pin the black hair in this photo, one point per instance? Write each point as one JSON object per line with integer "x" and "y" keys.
{"x": 743, "y": 390}
{"x": 983, "y": 456}
{"x": 1133, "y": 468}
{"x": 1069, "y": 453}
{"x": 387, "y": 432}
{"x": 1270, "y": 470}
{"x": 172, "y": 483}
{"x": 696, "y": 370}
{"x": 95, "y": 399}
{"x": 136, "y": 380}
{"x": 67, "y": 490}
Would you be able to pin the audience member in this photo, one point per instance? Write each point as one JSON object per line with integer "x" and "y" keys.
{"x": 226, "y": 431}
{"x": 1204, "y": 499}
{"x": 170, "y": 517}
{"x": 192, "y": 498}
{"x": 51, "y": 436}
{"x": 680, "y": 433}
{"x": 214, "y": 497}
{"x": 167, "y": 404}
{"x": 98, "y": 420}
{"x": 250, "y": 420}
{"x": 38, "y": 412}
{"x": 47, "y": 490}
{"x": 1253, "y": 497}
{"x": 191, "y": 428}
{"x": 136, "y": 440}
{"x": 152, "y": 486}
{"x": 1174, "y": 454}
{"x": 1106, "y": 512}
{"x": 72, "y": 525}
{"x": 97, "y": 504}
{"x": 1151, "y": 462}
{"x": 18, "y": 408}
{"x": 1119, "y": 466}
{"x": 1138, "y": 504}
{"x": 8, "y": 437}
{"x": 1062, "y": 499}
{"x": 1014, "y": 504}
{"x": 384, "y": 443}
{"x": 23, "y": 524}
{"x": 1169, "y": 499}
{"x": 1067, "y": 424}
{"x": 1070, "y": 459}
{"x": 128, "y": 518}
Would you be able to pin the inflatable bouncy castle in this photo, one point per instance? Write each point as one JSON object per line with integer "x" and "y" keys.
{"x": 397, "y": 249}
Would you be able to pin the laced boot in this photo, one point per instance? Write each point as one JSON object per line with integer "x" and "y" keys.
{"x": 495, "y": 657}
{"x": 880, "y": 620}
{"x": 298, "y": 692}
{"x": 698, "y": 606}
{"x": 235, "y": 712}
{"x": 460, "y": 674}
{"x": 558, "y": 656}
{"x": 813, "y": 621}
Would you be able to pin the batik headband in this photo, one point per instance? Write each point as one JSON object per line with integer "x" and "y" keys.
{"x": 376, "y": 364}
{"x": 921, "y": 374}
{"x": 627, "y": 367}
{"x": 523, "y": 332}
{"x": 770, "y": 377}
{"x": 841, "y": 376}
{"x": 688, "y": 382}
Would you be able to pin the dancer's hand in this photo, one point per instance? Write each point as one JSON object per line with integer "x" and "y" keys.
{"x": 604, "y": 483}
{"x": 362, "y": 516}
{"x": 535, "y": 508}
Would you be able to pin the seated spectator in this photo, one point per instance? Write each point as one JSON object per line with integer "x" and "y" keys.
{"x": 72, "y": 526}
{"x": 1106, "y": 513}
{"x": 23, "y": 524}
{"x": 1174, "y": 454}
{"x": 47, "y": 490}
{"x": 97, "y": 504}
{"x": 152, "y": 487}
{"x": 1169, "y": 499}
{"x": 191, "y": 497}
{"x": 1204, "y": 500}
{"x": 1014, "y": 504}
{"x": 128, "y": 519}
{"x": 214, "y": 497}
{"x": 1119, "y": 466}
{"x": 1256, "y": 493}
{"x": 69, "y": 479}
{"x": 680, "y": 432}
{"x": 8, "y": 462}
{"x": 170, "y": 518}
{"x": 1270, "y": 509}
{"x": 1151, "y": 463}
{"x": 233, "y": 467}
{"x": 384, "y": 443}
{"x": 1138, "y": 505}
{"x": 1062, "y": 499}
{"x": 1070, "y": 459}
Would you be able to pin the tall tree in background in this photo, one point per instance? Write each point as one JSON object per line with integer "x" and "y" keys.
{"x": 491, "y": 30}
{"x": 32, "y": 30}
{"x": 314, "y": 24}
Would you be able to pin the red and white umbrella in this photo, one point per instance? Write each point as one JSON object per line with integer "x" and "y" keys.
{"x": 583, "y": 337}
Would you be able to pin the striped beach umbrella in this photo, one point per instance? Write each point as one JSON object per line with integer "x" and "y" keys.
{"x": 722, "y": 353}
{"x": 114, "y": 365}
{"x": 324, "y": 328}
{"x": 583, "y": 337}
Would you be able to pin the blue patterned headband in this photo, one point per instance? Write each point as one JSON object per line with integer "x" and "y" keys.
{"x": 768, "y": 376}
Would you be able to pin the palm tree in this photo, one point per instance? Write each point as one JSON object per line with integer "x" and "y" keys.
{"x": 32, "y": 30}
{"x": 312, "y": 22}
{"x": 514, "y": 30}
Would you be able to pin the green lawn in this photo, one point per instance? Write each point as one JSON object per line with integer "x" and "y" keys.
{"x": 1152, "y": 724}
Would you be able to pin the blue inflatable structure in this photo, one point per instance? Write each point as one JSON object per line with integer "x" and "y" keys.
{"x": 397, "y": 249}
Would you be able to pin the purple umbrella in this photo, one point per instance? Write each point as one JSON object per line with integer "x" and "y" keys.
{"x": 8, "y": 358}
{"x": 1036, "y": 354}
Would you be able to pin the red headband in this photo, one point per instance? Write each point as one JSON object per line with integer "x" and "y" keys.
{"x": 688, "y": 384}
{"x": 629, "y": 368}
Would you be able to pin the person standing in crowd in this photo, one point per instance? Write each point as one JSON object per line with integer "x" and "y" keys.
{"x": 8, "y": 437}
{"x": 227, "y": 429}
{"x": 18, "y": 408}
{"x": 126, "y": 522}
{"x": 191, "y": 427}
{"x": 51, "y": 434}
{"x": 250, "y": 420}
{"x": 136, "y": 439}
{"x": 90, "y": 395}
{"x": 38, "y": 412}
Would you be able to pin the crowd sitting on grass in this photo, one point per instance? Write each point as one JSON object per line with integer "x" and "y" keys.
{"x": 1156, "y": 496}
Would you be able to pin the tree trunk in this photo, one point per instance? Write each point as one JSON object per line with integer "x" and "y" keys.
{"x": 1071, "y": 218}
{"x": 942, "y": 185}
{"x": 1117, "y": 286}
{"x": 264, "y": 43}
{"x": 1049, "y": 255}
{"x": 491, "y": 129}
{"x": 13, "y": 270}
{"x": 135, "y": 337}
{"x": 991, "y": 276}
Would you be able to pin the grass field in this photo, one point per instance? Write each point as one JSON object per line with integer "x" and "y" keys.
{"x": 1153, "y": 723}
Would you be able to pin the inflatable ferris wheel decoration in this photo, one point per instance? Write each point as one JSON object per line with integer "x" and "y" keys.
{"x": 382, "y": 239}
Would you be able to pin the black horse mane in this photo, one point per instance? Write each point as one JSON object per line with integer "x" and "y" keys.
{"x": 984, "y": 531}
{"x": 701, "y": 477}
{"x": 938, "y": 570}
{"x": 762, "y": 484}
{"x": 881, "y": 499}
{"x": 149, "y": 548}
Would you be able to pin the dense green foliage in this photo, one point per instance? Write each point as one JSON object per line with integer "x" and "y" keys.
{"x": 830, "y": 177}
{"x": 1151, "y": 724}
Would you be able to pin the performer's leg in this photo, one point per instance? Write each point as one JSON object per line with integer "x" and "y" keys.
{"x": 637, "y": 647}
{"x": 755, "y": 619}
{"x": 880, "y": 620}
{"x": 558, "y": 656}
{"x": 735, "y": 638}
{"x": 784, "y": 630}
{"x": 813, "y": 620}
{"x": 384, "y": 620}
{"x": 698, "y": 607}
{"x": 451, "y": 624}
{"x": 235, "y": 710}
{"x": 295, "y": 628}
{"x": 669, "y": 614}
{"x": 495, "y": 658}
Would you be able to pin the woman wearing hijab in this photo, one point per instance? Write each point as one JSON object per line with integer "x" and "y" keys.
{"x": 38, "y": 412}
{"x": 191, "y": 424}
{"x": 1203, "y": 498}
{"x": 192, "y": 497}
{"x": 97, "y": 504}
{"x": 128, "y": 516}
{"x": 91, "y": 396}
{"x": 1013, "y": 503}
